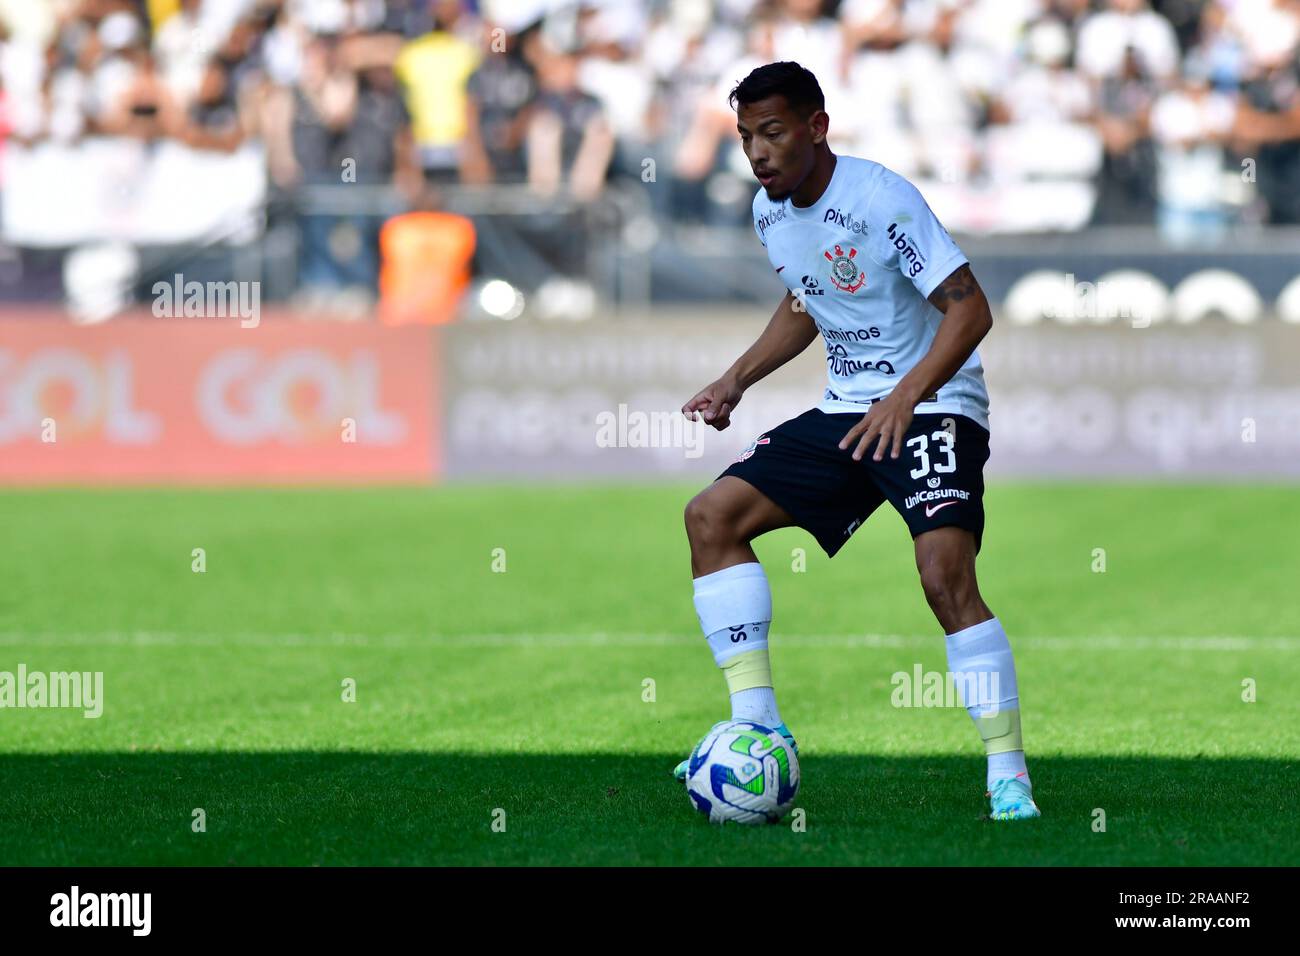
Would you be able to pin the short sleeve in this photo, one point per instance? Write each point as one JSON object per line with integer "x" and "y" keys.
{"x": 915, "y": 241}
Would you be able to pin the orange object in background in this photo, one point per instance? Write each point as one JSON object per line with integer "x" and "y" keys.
{"x": 425, "y": 267}
{"x": 208, "y": 402}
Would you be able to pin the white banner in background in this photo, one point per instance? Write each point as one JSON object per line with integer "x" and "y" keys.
{"x": 119, "y": 189}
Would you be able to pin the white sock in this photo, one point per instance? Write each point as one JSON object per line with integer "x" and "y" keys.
{"x": 990, "y": 694}
{"x": 1010, "y": 763}
{"x": 734, "y": 606}
{"x": 757, "y": 704}
{"x": 735, "y": 611}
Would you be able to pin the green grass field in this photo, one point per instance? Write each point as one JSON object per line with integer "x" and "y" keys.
{"x": 522, "y": 691}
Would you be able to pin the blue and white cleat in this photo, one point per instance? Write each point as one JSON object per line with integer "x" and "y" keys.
{"x": 679, "y": 772}
{"x": 1010, "y": 799}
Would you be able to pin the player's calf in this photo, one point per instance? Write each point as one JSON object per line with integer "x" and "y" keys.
{"x": 732, "y": 597}
{"x": 984, "y": 672}
{"x": 981, "y": 664}
{"x": 945, "y": 559}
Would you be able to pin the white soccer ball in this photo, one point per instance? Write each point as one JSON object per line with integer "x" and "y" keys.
{"x": 743, "y": 771}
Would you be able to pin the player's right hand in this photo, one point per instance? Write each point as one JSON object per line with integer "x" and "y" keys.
{"x": 714, "y": 403}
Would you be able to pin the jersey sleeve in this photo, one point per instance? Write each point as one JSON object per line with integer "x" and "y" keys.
{"x": 915, "y": 241}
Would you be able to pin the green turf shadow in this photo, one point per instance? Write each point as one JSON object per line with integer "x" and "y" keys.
{"x": 349, "y": 808}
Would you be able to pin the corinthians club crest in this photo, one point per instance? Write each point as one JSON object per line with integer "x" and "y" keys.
{"x": 845, "y": 273}
{"x": 753, "y": 447}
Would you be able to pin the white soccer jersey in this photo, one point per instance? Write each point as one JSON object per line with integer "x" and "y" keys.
{"x": 863, "y": 259}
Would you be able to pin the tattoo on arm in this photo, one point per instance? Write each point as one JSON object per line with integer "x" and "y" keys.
{"x": 957, "y": 287}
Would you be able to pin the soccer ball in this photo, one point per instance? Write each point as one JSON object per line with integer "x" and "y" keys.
{"x": 742, "y": 771}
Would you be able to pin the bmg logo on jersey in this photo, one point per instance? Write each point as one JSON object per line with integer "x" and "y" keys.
{"x": 907, "y": 251}
{"x": 845, "y": 274}
{"x": 845, "y": 219}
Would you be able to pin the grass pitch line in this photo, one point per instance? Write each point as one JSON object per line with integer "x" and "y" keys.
{"x": 627, "y": 639}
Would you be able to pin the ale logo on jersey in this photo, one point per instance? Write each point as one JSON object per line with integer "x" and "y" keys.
{"x": 845, "y": 273}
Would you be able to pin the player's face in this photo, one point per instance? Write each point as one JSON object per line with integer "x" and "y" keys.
{"x": 779, "y": 143}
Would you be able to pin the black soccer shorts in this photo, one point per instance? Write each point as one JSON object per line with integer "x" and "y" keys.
{"x": 937, "y": 479}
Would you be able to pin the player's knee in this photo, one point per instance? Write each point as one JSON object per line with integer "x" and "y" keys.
{"x": 712, "y": 522}
{"x": 703, "y": 522}
{"x": 942, "y": 585}
{"x": 951, "y": 592}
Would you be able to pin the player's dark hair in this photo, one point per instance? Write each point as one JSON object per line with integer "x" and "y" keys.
{"x": 799, "y": 87}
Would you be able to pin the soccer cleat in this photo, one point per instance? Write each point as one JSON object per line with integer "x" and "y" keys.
{"x": 679, "y": 772}
{"x": 1010, "y": 799}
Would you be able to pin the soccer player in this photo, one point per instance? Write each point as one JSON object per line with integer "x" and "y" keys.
{"x": 904, "y": 417}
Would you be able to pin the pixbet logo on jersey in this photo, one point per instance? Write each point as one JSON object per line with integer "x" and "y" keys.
{"x": 845, "y": 218}
{"x": 769, "y": 218}
{"x": 845, "y": 274}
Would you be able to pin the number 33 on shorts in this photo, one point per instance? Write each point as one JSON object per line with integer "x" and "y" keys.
{"x": 945, "y": 445}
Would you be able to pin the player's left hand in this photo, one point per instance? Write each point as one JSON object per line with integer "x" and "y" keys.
{"x": 888, "y": 419}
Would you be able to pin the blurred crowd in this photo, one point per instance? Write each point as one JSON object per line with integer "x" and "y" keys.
{"x": 1180, "y": 112}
